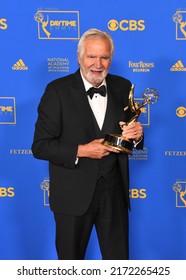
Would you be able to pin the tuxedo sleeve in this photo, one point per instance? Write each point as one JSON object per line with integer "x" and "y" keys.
{"x": 48, "y": 142}
{"x": 139, "y": 145}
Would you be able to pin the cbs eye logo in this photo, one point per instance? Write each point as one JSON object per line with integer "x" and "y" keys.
{"x": 125, "y": 25}
{"x": 181, "y": 112}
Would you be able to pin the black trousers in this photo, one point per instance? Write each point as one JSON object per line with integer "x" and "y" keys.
{"x": 108, "y": 213}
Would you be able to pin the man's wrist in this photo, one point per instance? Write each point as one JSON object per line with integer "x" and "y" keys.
{"x": 81, "y": 151}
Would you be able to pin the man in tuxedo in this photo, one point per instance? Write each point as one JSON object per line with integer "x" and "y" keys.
{"x": 88, "y": 180}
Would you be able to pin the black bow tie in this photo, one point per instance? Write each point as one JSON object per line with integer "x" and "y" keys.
{"x": 101, "y": 90}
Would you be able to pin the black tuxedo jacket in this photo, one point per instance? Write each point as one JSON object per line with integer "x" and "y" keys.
{"x": 65, "y": 121}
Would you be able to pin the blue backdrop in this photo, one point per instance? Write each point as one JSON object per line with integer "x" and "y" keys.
{"x": 38, "y": 43}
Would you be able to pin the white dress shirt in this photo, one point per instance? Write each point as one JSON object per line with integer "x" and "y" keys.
{"x": 98, "y": 103}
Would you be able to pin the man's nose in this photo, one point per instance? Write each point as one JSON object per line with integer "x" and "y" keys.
{"x": 98, "y": 62}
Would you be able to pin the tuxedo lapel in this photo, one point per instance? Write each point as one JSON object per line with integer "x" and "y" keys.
{"x": 79, "y": 97}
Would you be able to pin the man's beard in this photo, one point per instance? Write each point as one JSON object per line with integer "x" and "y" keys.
{"x": 91, "y": 78}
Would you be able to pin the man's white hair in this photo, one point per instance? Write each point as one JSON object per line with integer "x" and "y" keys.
{"x": 94, "y": 33}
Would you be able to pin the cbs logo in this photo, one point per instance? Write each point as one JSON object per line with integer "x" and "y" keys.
{"x": 4, "y": 192}
{"x": 125, "y": 25}
{"x": 3, "y": 24}
{"x": 136, "y": 193}
{"x": 181, "y": 112}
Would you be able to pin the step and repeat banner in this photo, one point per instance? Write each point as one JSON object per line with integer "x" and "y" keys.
{"x": 38, "y": 43}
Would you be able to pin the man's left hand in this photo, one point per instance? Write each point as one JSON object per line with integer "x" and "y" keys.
{"x": 133, "y": 131}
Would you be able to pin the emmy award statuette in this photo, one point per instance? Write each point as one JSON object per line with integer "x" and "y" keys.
{"x": 117, "y": 141}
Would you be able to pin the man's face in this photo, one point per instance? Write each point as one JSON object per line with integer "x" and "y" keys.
{"x": 95, "y": 60}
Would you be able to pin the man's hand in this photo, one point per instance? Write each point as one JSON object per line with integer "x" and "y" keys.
{"x": 133, "y": 131}
{"x": 95, "y": 149}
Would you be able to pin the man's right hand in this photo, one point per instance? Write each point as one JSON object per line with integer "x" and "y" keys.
{"x": 95, "y": 149}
